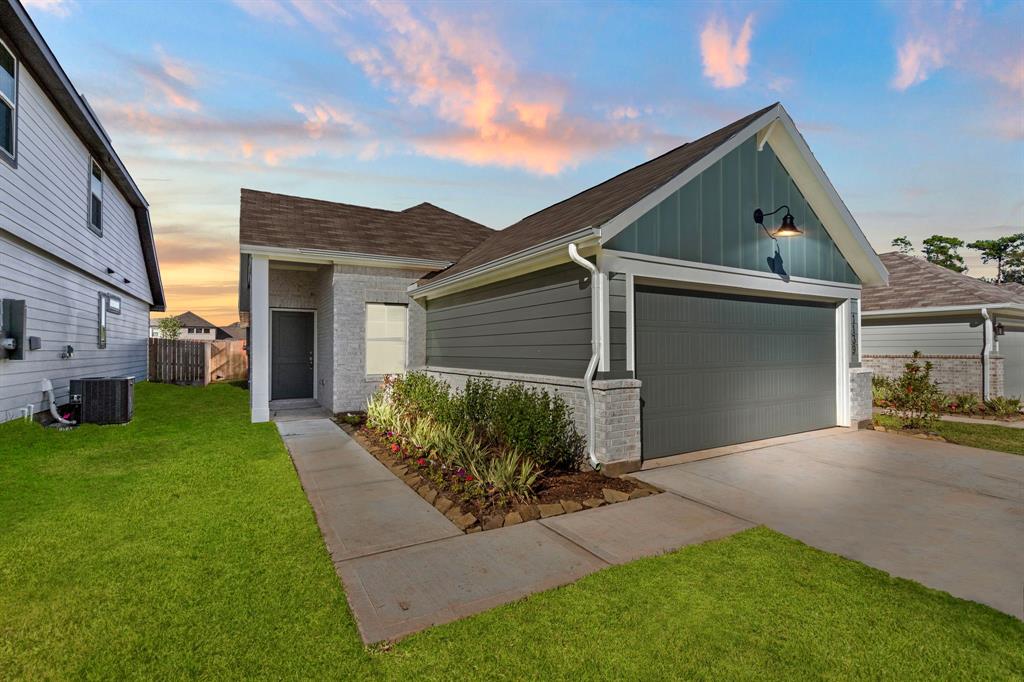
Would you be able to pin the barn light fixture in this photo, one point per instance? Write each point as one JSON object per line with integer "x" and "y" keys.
{"x": 788, "y": 227}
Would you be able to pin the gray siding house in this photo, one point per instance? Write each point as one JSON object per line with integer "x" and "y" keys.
{"x": 668, "y": 318}
{"x": 971, "y": 331}
{"x": 78, "y": 267}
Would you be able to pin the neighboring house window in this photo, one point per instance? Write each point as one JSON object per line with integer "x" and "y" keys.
{"x": 8, "y": 99}
{"x": 96, "y": 198}
{"x": 101, "y": 332}
{"x": 385, "y": 338}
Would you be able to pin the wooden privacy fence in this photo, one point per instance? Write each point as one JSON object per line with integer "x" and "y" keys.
{"x": 196, "y": 363}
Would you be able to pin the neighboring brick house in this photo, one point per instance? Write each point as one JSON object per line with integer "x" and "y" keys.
{"x": 971, "y": 331}
{"x": 654, "y": 302}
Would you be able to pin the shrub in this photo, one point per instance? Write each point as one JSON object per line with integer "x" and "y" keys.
{"x": 879, "y": 390}
{"x": 914, "y": 399}
{"x": 509, "y": 473}
{"x": 964, "y": 403}
{"x": 1003, "y": 407}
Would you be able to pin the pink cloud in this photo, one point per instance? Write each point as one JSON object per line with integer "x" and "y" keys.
{"x": 916, "y": 59}
{"x": 726, "y": 60}
{"x": 267, "y": 10}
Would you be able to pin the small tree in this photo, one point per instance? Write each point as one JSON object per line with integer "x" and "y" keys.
{"x": 170, "y": 328}
{"x": 912, "y": 397}
{"x": 942, "y": 251}
{"x": 999, "y": 250}
{"x": 1013, "y": 267}
{"x": 903, "y": 245}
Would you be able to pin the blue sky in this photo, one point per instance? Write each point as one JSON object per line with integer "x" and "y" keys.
{"x": 497, "y": 110}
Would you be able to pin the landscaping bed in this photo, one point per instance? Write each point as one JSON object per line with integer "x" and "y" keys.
{"x": 555, "y": 494}
{"x": 487, "y": 456}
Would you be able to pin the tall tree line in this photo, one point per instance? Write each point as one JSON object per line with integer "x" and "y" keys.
{"x": 1006, "y": 252}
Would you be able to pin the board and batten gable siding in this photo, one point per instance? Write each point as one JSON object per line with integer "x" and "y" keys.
{"x": 946, "y": 338}
{"x": 537, "y": 323}
{"x": 62, "y": 308}
{"x": 45, "y": 199}
{"x": 710, "y": 220}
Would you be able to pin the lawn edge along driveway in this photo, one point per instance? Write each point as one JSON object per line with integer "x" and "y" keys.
{"x": 406, "y": 567}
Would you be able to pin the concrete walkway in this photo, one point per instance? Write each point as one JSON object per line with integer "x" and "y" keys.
{"x": 948, "y": 516}
{"x": 405, "y": 567}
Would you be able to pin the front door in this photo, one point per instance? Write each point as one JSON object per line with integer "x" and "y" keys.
{"x": 291, "y": 354}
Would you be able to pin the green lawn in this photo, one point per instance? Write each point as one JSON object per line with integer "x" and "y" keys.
{"x": 183, "y": 546}
{"x": 985, "y": 436}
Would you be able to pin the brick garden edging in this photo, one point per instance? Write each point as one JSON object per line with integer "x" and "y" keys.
{"x": 519, "y": 513}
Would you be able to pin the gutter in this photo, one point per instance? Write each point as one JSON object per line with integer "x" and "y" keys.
{"x": 1011, "y": 308}
{"x": 986, "y": 357}
{"x": 341, "y": 256}
{"x": 588, "y": 378}
{"x": 549, "y": 246}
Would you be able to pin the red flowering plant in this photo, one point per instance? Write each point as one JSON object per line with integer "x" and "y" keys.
{"x": 913, "y": 398}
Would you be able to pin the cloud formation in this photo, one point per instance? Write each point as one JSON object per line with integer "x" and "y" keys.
{"x": 59, "y": 8}
{"x": 725, "y": 59}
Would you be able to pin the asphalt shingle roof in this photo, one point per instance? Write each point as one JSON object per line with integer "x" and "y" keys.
{"x": 916, "y": 283}
{"x": 423, "y": 231}
{"x": 600, "y": 203}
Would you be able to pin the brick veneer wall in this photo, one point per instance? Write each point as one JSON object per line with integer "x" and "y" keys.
{"x": 617, "y": 406}
{"x": 860, "y": 396}
{"x": 952, "y": 373}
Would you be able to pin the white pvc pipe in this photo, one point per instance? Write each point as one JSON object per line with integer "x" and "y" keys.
{"x": 986, "y": 357}
{"x": 47, "y": 387}
{"x": 588, "y": 379}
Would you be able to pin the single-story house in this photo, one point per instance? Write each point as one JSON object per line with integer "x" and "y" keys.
{"x": 231, "y": 332}
{"x": 971, "y": 331}
{"x": 654, "y": 302}
{"x": 193, "y": 328}
{"x": 78, "y": 266}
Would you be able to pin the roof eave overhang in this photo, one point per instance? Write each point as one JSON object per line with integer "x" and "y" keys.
{"x": 1008, "y": 309}
{"x": 36, "y": 54}
{"x": 325, "y": 256}
{"x": 777, "y": 128}
{"x": 534, "y": 258}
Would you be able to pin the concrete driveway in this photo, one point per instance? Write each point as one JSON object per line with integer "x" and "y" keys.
{"x": 947, "y": 516}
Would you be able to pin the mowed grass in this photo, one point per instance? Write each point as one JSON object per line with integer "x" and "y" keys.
{"x": 984, "y": 436}
{"x": 182, "y": 545}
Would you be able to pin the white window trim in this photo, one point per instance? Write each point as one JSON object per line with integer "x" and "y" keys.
{"x": 92, "y": 193}
{"x": 13, "y": 154}
{"x": 366, "y": 340}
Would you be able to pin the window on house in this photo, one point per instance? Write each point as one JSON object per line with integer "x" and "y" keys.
{"x": 96, "y": 198}
{"x": 101, "y": 335}
{"x": 385, "y": 338}
{"x": 8, "y": 97}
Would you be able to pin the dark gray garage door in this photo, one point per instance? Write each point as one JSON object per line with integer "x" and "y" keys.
{"x": 719, "y": 369}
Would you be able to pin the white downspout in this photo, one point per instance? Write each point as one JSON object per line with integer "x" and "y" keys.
{"x": 47, "y": 387}
{"x": 986, "y": 354}
{"x": 595, "y": 345}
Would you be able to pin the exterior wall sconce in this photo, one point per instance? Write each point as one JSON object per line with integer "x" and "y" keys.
{"x": 788, "y": 227}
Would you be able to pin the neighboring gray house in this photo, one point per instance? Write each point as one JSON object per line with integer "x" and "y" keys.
{"x": 78, "y": 266}
{"x": 971, "y": 331}
{"x": 193, "y": 328}
{"x": 653, "y": 302}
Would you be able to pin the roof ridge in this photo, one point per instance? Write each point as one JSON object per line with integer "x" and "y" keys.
{"x": 319, "y": 201}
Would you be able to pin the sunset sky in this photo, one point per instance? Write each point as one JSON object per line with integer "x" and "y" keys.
{"x": 497, "y": 110}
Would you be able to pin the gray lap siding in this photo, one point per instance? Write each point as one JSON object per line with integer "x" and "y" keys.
{"x": 537, "y": 323}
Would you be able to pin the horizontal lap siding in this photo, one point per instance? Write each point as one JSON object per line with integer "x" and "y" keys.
{"x": 63, "y": 309}
{"x": 538, "y": 323}
{"x": 44, "y": 200}
{"x": 951, "y": 338}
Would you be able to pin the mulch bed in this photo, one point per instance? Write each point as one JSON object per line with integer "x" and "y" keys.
{"x": 916, "y": 433}
{"x": 557, "y": 493}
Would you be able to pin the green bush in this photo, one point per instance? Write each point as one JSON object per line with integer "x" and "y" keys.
{"x": 510, "y": 417}
{"x": 913, "y": 398}
{"x": 1003, "y": 407}
{"x": 879, "y": 390}
{"x": 964, "y": 403}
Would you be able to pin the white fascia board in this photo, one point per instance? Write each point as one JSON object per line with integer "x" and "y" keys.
{"x": 795, "y": 155}
{"x": 343, "y": 257}
{"x": 668, "y": 271}
{"x": 1011, "y": 309}
{"x": 634, "y": 212}
{"x": 551, "y": 252}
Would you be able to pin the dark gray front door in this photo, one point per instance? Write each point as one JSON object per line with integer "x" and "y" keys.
{"x": 719, "y": 369}
{"x": 291, "y": 354}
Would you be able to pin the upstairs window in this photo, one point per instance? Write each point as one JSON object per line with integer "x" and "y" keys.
{"x": 96, "y": 198}
{"x": 8, "y": 97}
